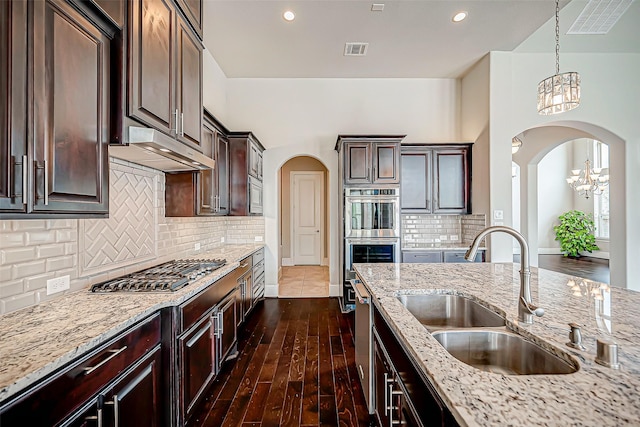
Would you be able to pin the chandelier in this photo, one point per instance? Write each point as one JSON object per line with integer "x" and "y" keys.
{"x": 516, "y": 143}
{"x": 560, "y": 92}
{"x": 588, "y": 181}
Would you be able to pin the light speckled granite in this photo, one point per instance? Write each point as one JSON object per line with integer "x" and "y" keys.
{"x": 38, "y": 340}
{"x": 594, "y": 396}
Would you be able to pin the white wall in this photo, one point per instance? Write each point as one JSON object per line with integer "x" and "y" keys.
{"x": 554, "y": 194}
{"x": 608, "y": 112}
{"x": 214, "y": 88}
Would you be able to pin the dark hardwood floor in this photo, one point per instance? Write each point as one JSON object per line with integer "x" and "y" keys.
{"x": 590, "y": 268}
{"x": 295, "y": 367}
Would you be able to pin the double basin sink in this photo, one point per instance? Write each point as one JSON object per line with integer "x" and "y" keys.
{"x": 477, "y": 336}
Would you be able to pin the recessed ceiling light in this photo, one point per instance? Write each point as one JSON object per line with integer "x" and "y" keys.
{"x": 460, "y": 16}
{"x": 289, "y": 16}
{"x": 166, "y": 150}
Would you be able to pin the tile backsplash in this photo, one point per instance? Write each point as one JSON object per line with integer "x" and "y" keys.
{"x": 434, "y": 231}
{"x": 136, "y": 235}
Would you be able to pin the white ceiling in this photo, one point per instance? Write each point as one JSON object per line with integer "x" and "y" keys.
{"x": 410, "y": 38}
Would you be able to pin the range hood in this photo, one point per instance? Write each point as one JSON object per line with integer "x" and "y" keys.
{"x": 148, "y": 147}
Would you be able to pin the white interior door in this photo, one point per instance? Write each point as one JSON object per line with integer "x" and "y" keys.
{"x": 307, "y": 195}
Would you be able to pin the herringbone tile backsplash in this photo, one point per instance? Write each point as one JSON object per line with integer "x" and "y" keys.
{"x": 136, "y": 235}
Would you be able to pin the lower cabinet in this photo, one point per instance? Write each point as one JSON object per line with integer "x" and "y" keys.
{"x": 436, "y": 256}
{"x": 118, "y": 384}
{"x": 402, "y": 394}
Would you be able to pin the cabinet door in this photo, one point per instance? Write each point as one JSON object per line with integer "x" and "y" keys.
{"x": 386, "y": 163}
{"x": 382, "y": 379}
{"x": 415, "y": 182}
{"x": 255, "y": 196}
{"x": 196, "y": 362}
{"x": 135, "y": 399}
{"x": 151, "y": 62}
{"x": 254, "y": 160}
{"x": 227, "y": 328}
{"x": 192, "y": 9}
{"x": 71, "y": 93}
{"x": 451, "y": 181}
{"x": 357, "y": 165}
{"x": 222, "y": 174}
{"x": 189, "y": 85}
{"x": 13, "y": 105}
{"x": 206, "y": 178}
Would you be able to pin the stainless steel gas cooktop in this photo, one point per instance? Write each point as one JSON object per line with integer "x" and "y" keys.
{"x": 166, "y": 277}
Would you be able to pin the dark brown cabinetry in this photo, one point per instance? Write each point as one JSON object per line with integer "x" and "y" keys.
{"x": 258, "y": 277}
{"x": 119, "y": 380}
{"x": 245, "y": 174}
{"x": 437, "y": 177}
{"x": 66, "y": 168}
{"x": 165, "y": 71}
{"x": 205, "y": 340}
{"x": 371, "y": 160}
{"x": 403, "y": 396}
{"x": 192, "y": 9}
{"x": 214, "y": 184}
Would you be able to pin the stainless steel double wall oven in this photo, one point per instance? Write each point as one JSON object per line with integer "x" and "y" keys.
{"x": 371, "y": 231}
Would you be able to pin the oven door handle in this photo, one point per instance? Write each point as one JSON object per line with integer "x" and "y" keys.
{"x": 361, "y": 292}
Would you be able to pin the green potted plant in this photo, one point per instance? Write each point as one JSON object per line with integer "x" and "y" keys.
{"x": 575, "y": 233}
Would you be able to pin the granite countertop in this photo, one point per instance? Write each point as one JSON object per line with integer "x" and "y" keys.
{"x": 442, "y": 247}
{"x": 593, "y": 396}
{"x": 38, "y": 340}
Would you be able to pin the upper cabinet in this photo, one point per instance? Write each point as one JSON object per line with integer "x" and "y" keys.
{"x": 57, "y": 160}
{"x": 214, "y": 183}
{"x": 165, "y": 71}
{"x": 370, "y": 160}
{"x": 245, "y": 174}
{"x": 436, "y": 179}
{"x": 192, "y": 9}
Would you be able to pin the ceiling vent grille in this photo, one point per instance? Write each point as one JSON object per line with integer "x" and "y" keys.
{"x": 355, "y": 49}
{"x": 599, "y": 16}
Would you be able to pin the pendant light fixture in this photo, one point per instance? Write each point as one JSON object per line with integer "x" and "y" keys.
{"x": 560, "y": 92}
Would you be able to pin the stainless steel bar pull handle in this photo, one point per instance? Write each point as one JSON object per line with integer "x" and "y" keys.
{"x": 45, "y": 171}
{"x": 175, "y": 114}
{"x": 181, "y": 124}
{"x": 116, "y": 415}
{"x": 25, "y": 181}
{"x": 114, "y": 353}
{"x": 393, "y": 422}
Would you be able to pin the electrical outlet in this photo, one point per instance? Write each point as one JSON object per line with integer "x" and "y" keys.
{"x": 222, "y": 240}
{"x": 58, "y": 284}
{"x": 258, "y": 238}
{"x": 443, "y": 238}
{"x": 196, "y": 246}
{"x": 498, "y": 214}
{"x": 453, "y": 237}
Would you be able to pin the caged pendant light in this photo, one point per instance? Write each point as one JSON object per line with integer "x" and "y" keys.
{"x": 560, "y": 92}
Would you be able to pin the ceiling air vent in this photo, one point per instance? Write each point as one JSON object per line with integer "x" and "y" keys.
{"x": 599, "y": 16}
{"x": 355, "y": 49}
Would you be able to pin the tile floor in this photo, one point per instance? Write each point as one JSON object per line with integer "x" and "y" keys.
{"x": 304, "y": 281}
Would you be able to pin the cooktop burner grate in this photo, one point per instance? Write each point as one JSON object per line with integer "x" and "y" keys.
{"x": 166, "y": 277}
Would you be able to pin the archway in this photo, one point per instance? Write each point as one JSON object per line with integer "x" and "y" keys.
{"x": 537, "y": 143}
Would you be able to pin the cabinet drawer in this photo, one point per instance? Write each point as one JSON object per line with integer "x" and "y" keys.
{"x": 258, "y": 257}
{"x": 196, "y": 307}
{"x": 422, "y": 257}
{"x": 458, "y": 256}
{"x": 44, "y": 404}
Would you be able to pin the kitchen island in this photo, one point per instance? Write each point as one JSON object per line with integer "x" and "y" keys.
{"x": 37, "y": 341}
{"x": 594, "y": 395}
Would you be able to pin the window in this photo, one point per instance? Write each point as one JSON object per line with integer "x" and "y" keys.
{"x": 601, "y": 202}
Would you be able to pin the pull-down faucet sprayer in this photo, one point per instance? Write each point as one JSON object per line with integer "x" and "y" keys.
{"x": 526, "y": 309}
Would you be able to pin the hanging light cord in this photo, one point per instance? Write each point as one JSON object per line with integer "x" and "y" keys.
{"x": 557, "y": 37}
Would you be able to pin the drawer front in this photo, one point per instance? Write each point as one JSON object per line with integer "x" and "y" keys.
{"x": 422, "y": 257}
{"x": 258, "y": 256}
{"x": 57, "y": 397}
{"x": 196, "y": 307}
{"x": 458, "y": 256}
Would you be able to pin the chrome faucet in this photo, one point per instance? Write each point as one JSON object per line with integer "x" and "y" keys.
{"x": 526, "y": 309}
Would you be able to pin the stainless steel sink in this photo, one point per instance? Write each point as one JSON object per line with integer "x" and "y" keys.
{"x": 501, "y": 352}
{"x": 437, "y": 311}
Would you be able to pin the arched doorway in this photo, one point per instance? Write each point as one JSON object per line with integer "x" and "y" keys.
{"x": 303, "y": 237}
{"x": 540, "y": 141}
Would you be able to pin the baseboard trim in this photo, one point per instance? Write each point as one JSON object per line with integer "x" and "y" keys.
{"x": 325, "y": 261}
{"x": 334, "y": 290}
{"x": 271, "y": 291}
{"x": 287, "y": 262}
